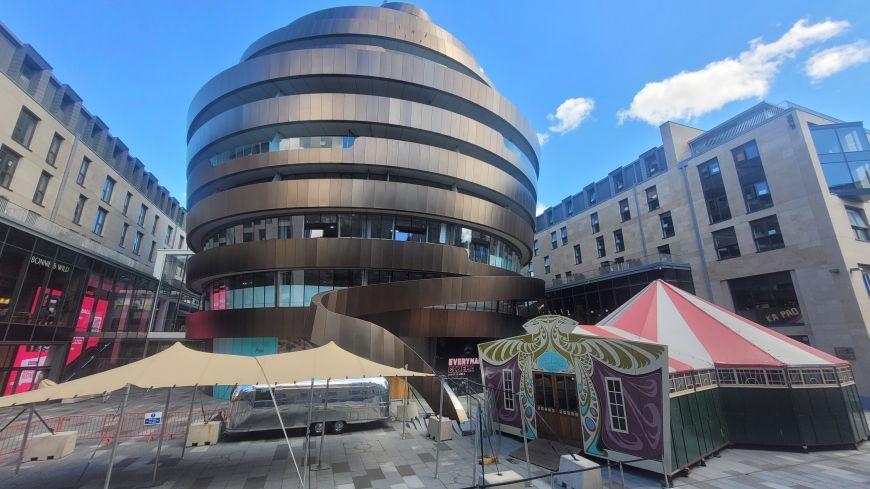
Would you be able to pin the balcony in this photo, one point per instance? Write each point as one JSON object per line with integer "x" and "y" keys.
{"x": 612, "y": 269}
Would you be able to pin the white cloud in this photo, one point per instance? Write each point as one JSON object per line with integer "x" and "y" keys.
{"x": 542, "y": 138}
{"x": 836, "y": 59}
{"x": 570, "y": 114}
{"x": 539, "y": 209}
{"x": 690, "y": 94}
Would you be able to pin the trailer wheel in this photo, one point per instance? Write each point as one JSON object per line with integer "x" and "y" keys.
{"x": 316, "y": 428}
{"x": 338, "y": 426}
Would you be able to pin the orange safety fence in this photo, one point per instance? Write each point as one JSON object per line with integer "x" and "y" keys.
{"x": 100, "y": 427}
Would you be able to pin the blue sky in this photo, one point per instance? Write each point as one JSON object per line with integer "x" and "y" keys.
{"x": 137, "y": 65}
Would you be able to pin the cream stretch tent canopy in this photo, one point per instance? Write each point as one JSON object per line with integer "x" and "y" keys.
{"x": 179, "y": 366}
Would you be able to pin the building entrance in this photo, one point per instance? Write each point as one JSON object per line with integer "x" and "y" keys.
{"x": 557, "y": 405}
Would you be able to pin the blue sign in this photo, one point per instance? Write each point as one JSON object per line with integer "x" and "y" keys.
{"x": 551, "y": 361}
{"x": 152, "y": 419}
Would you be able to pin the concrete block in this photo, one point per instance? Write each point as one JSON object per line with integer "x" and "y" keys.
{"x": 50, "y": 447}
{"x": 504, "y": 477}
{"x": 440, "y": 429}
{"x": 406, "y": 413}
{"x": 202, "y": 434}
{"x": 591, "y": 479}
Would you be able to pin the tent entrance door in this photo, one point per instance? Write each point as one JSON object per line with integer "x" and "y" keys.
{"x": 556, "y": 401}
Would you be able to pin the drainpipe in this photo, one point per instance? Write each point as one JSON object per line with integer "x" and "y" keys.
{"x": 697, "y": 231}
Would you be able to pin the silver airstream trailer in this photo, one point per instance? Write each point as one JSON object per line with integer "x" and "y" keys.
{"x": 349, "y": 401}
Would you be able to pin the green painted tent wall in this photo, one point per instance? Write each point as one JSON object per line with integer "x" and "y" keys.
{"x": 794, "y": 417}
{"x": 697, "y": 427}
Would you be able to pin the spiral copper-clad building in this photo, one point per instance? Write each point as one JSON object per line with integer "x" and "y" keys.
{"x": 356, "y": 178}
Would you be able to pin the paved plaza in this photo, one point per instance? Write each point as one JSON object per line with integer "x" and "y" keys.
{"x": 376, "y": 456}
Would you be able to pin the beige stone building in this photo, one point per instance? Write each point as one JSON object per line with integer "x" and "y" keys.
{"x": 765, "y": 214}
{"x": 81, "y": 221}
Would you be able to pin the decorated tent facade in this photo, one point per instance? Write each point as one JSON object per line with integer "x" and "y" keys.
{"x": 607, "y": 395}
{"x": 725, "y": 380}
{"x": 773, "y": 390}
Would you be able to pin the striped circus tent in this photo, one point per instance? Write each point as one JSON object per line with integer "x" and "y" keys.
{"x": 702, "y": 334}
{"x": 677, "y": 361}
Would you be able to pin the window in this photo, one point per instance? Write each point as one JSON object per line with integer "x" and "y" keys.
{"x": 558, "y": 277}
{"x": 593, "y": 221}
{"x": 618, "y": 241}
{"x": 766, "y": 234}
{"x": 618, "y": 181}
{"x": 753, "y": 181}
{"x": 553, "y": 240}
{"x": 564, "y": 233}
{"x": 168, "y": 235}
{"x": 108, "y": 188}
{"x": 180, "y": 242}
{"x": 713, "y": 187}
{"x": 531, "y": 269}
{"x": 599, "y": 244}
{"x": 624, "y": 211}
{"x": 546, "y": 264}
{"x": 24, "y": 128}
{"x": 664, "y": 250}
{"x": 123, "y": 238}
{"x": 80, "y": 207}
{"x": 569, "y": 206}
{"x": 137, "y": 242}
{"x": 616, "y": 405}
{"x": 8, "y": 164}
{"x": 591, "y": 197}
{"x": 859, "y": 223}
{"x": 127, "y": 203}
{"x": 768, "y": 299}
{"x": 53, "y": 149}
{"x": 556, "y": 393}
{"x": 143, "y": 210}
{"x": 100, "y": 221}
{"x": 507, "y": 385}
{"x": 578, "y": 257}
{"x": 83, "y": 171}
{"x": 667, "y": 223}
{"x": 652, "y": 164}
{"x": 41, "y": 187}
{"x": 567, "y": 275}
{"x": 154, "y": 226}
{"x": 725, "y": 242}
{"x": 652, "y": 198}
{"x": 151, "y": 253}
{"x": 535, "y": 247}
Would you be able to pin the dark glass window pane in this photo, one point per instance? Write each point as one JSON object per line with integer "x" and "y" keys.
{"x": 766, "y": 234}
{"x": 767, "y": 299}
{"x": 750, "y": 173}
{"x": 725, "y": 242}
{"x": 714, "y": 191}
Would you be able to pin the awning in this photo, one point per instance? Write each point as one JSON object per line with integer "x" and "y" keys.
{"x": 179, "y": 366}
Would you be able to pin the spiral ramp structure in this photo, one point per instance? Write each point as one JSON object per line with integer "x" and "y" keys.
{"x": 357, "y": 178}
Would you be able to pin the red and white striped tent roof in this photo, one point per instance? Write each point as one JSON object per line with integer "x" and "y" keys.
{"x": 677, "y": 361}
{"x": 700, "y": 334}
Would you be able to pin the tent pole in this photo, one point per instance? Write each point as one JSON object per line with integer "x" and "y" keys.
{"x": 405, "y": 403}
{"x": 117, "y": 435}
{"x": 308, "y": 434}
{"x": 525, "y": 436}
{"x": 284, "y": 430}
{"x": 189, "y": 420}
{"x": 24, "y": 441}
{"x": 320, "y": 465}
{"x": 440, "y": 418}
{"x": 162, "y": 432}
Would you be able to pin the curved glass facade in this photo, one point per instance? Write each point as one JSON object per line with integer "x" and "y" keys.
{"x": 278, "y": 143}
{"x": 294, "y": 288}
{"x": 482, "y": 247}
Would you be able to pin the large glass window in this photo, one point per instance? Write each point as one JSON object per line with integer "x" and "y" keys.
{"x": 652, "y": 198}
{"x": 714, "y": 191}
{"x": 616, "y": 405}
{"x": 108, "y": 188}
{"x": 83, "y": 171}
{"x": 753, "y": 181}
{"x": 25, "y": 127}
{"x": 858, "y": 221}
{"x": 143, "y": 211}
{"x": 80, "y": 207}
{"x": 599, "y": 244}
{"x": 766, "y": 233}
{"x": 578, "y": 257}
{"x": 54, "y": 149}
{"x": 127, "y": 203}
{"x": 137, "y": 242}
{"x": 125, "y": 227}
{"x": 725, "y": 242}
{"x": 667, "y": 223}
{"x": 593, "y": 222}
{"x": 8, "y": 164}
{"x": 554, "y": 243}
{"x": 100, "y": 221}
{"x": 41, "y": 188}
{"x": 507, "y": 385}
{"x": 618, "y": 242}
{"x": 768, "y": 299}
{"x": 624, "y": 210}
{"x": 841, "y": 149}
{"x": 546, "y": 264}
{"x": 535, "y": 247}
{"x": 564, "y": 234}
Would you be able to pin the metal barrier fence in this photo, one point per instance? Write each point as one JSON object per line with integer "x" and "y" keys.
{"x": 99, "y": 427}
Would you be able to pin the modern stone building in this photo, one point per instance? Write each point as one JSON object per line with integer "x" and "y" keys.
{"x": 765, "y": 214}
{"x": 81, "y": 221}
{"x": 361, "y": 152}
